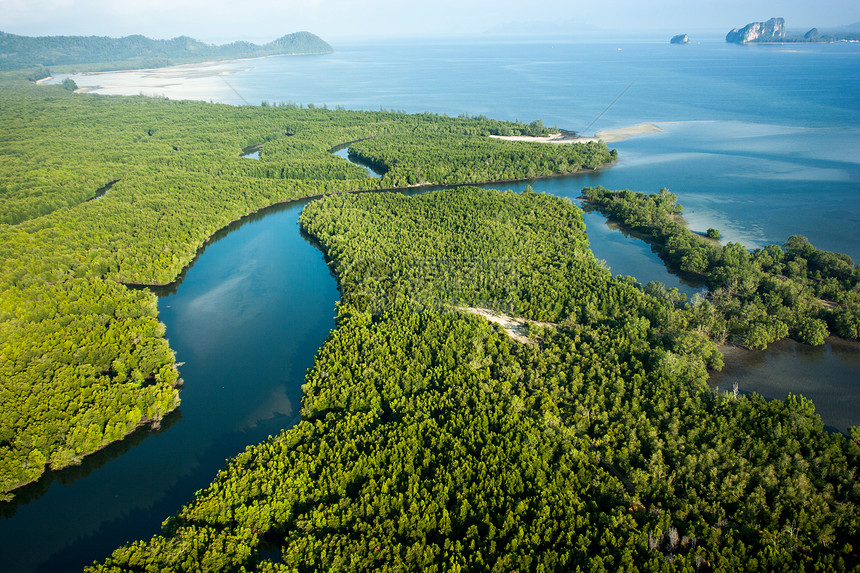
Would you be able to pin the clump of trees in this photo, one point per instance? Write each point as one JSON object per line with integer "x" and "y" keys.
{"x": 452, "y": 159}
{"x": 760, "y": 296}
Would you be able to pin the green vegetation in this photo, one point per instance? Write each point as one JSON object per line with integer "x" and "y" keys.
{"x": 83, "y": 358}
{"x": 430, "y": 441}
{"x": 94, "y": 53}
{"x": 760, "y": 296}
{"x": 452, "y": 159}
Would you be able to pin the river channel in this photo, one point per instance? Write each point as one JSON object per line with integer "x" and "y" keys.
{"x": 245, "y": 320}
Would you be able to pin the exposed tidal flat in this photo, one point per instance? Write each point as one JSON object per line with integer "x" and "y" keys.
{"x": 733, "y": 169}
{"x": 186, "y": 81}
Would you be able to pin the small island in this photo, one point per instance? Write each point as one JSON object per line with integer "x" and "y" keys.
{"x": 680, "y": 39}
{"x": 774, "y": 31}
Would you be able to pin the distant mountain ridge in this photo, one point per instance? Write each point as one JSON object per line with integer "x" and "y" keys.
{"x": 19, "y": 52}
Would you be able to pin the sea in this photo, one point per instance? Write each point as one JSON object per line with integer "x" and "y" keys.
{"x": 761, "y": 142}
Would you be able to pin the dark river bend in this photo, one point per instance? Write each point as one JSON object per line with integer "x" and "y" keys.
{"x": 245, "y": 320}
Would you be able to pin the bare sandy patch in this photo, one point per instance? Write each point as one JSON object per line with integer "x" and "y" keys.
{"x": 516, "y": 328}
{"x": 552, "y": 138}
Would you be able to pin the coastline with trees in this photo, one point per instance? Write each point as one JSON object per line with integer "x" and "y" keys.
{"x": 760, "y": 296}
{"x": 432, "y": 441}
{"x": 429, "y": 439}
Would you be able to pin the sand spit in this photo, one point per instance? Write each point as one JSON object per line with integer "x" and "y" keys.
{"x": 620, "y": 134}
{"x": 607, "y": 136}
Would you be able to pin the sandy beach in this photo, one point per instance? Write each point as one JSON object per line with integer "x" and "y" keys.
{"x": 607, "y": 136}
{"x": 553, "y": 138}
{"x": 201, "y": 81}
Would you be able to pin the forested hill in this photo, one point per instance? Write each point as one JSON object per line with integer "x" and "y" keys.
{"x": 19, "y": 52}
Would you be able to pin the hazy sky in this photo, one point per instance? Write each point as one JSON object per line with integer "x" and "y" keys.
{"x": 262, "y": 20}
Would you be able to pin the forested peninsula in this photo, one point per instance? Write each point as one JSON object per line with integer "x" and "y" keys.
{"x": 757, "y": 297}
{"x": 98, "y": 53}
{"x": 430, "y": 440}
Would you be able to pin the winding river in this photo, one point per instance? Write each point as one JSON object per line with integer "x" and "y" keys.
{"x": 246, "y": 320}
{"x": 247, "y": 317}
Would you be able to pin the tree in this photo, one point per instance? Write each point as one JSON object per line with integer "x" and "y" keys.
{"x": 811, "y": 331}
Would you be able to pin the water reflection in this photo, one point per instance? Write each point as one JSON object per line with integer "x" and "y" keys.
{"x": 343, "y": 151}
{"x": 825, "y": 374}
{"x": 623, "y": 253}
{"x": 246, "y": 321}
{"x": 90, "y": 464}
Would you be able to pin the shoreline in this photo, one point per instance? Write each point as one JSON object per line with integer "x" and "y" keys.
{"x": 557, "y": 138}
{"x": 142, "y": 428}
{"x": 197, "y": 70}
{"x": 204, "y": 63}
{"x": 690, "y": 277}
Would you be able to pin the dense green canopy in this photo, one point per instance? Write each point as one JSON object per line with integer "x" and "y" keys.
{"x": 83, "y": 358}
{"x": 431, "y": 441}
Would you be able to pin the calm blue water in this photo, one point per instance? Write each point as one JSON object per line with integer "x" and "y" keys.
{"x": 344, "y": 152}
{"x": 246, "y": 320}
{"x": 758, "y": 141}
